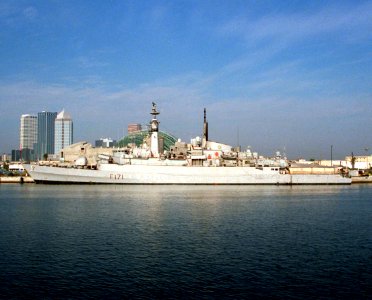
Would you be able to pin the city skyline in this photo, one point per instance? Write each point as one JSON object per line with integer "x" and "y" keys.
{"x": 273, "y": 76}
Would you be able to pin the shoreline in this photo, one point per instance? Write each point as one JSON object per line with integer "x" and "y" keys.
{"x": 16, "y": 179}
{"x": 361, "y": 179}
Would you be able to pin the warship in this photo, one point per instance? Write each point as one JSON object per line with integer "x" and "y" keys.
{"x": 200, "y": 162}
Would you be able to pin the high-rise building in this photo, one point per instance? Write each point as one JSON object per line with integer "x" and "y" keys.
{"x": 45, "y": 133}
{"x": 28, "y": 132}
{"x": 63, "y": 131}
{"x": 16, "y": 155}
{"x": 5, "y": 157}
{"x": 27, "y": 136}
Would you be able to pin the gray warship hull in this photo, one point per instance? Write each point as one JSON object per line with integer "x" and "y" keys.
{"x": 177, "y": 175}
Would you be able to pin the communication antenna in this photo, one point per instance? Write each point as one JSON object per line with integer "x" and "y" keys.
{"x": 366, "y": 149}
{"x": 237, "y": 136}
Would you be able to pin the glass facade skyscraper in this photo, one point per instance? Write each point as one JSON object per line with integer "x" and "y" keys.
{"x": 27, "y": 137}
{"x": 45, "y": 133}
{"x": 63, "y": 131}
{"x": 28, "y": 132}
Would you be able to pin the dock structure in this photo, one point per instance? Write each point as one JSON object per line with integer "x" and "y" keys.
{"x": 16, "y": 179}
{"x": 361, "y": 179}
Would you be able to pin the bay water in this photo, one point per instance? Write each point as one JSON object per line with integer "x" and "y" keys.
{"x": 185, "y": 242}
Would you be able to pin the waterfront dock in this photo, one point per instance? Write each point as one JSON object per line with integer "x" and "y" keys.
{"x": 16, "y": 179}
{"x": 361, "y": 179}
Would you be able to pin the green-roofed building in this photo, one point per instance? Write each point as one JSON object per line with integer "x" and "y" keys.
{"x": 138, "y": 137}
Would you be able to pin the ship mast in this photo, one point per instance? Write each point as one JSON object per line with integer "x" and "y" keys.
{"x": 154, "y": 128}
{"x": 205, "y": 130}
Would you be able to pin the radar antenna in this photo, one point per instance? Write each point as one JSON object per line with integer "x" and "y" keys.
{"x": 154, "y": 111}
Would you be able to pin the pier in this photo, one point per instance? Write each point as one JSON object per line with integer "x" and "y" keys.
{"x": 16, "y": 179}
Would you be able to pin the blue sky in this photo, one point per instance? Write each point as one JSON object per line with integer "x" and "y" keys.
{"x": 273, "y": 75}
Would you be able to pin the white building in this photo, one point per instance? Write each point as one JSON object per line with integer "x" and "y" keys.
{"x": 63, "y": 131}
{"x": 28, "y": 132}
{"x": 361, "y": 162}
{"x": 105, "y": 142}
{"x": 5, "y": 157}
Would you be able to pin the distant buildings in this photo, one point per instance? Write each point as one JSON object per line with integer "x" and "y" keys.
{"x": 45, "y": 133}
{"x": 24, "y": 154}
{"x": 27, "y": 138}
{"x": 63, "y": 131}
{"x": 5, "y": 157}
{"x": 105, "y": 143}
{"x": 28, "y": 132}
{"x": 134, "y": 128}
{"x": 360, "y": 161}
{"x": 15, "y": 155}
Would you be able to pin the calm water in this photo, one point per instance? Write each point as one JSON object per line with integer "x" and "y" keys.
{"x": 185, "y": 242}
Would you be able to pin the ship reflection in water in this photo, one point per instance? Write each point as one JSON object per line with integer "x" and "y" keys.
{"x": 100, "y": 241}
